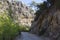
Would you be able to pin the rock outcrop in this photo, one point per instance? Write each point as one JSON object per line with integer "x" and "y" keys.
{"x": 48, "y": 23}
{"x": 20, "y": 13}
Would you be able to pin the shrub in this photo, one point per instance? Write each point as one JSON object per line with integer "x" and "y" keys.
{"x": 8, "y": 28}
{"x": 24, "y": 28}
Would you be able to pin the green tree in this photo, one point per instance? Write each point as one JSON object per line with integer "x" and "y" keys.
{"x": 43, "y": 6}
{"x": 51, "y": 1}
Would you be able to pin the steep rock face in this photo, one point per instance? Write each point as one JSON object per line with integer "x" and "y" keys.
{"x": 48, "y": 24}
{"x": 20, "y": 13}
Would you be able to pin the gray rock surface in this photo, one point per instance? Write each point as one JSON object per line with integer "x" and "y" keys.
{"x": 48, "y": 23}
{"x": 29, "y": 36}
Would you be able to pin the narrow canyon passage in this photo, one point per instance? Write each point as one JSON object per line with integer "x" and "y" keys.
{"x": 29, "y": 36}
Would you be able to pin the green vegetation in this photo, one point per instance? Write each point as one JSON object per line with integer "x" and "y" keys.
{"x": 8, "y": 29}
{"x": 24, "y": 28}
{"x": 45, "y": 6}
{"x": 41, "y": 7}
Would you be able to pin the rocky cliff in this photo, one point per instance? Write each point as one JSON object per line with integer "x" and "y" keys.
{"x": 18, "y": 11}
{"x": 48, "y": 23}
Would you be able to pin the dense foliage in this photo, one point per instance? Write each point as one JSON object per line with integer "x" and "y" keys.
{"x": 8, "y": 29}
{"x": 46, "y": 5}
{"x": 41, "y": 7}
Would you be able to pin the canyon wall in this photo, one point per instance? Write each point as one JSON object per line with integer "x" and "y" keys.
{"x": 48, "y": 23}
{"x": 18, "y": 11}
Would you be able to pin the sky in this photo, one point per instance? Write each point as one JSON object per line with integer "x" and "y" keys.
{"x": 27, "y": 2}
